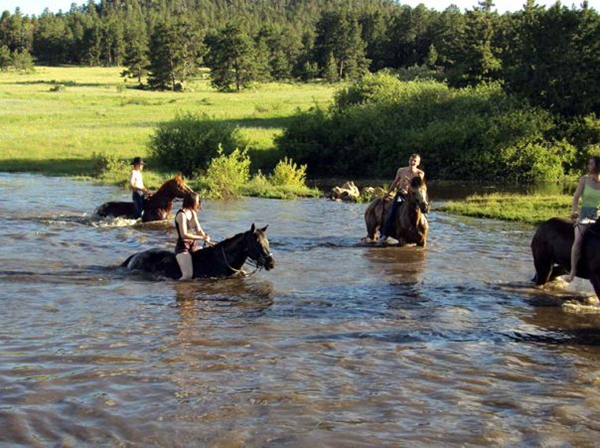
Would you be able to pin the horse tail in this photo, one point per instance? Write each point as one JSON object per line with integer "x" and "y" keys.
{"x": 101, "y": 210}
{"x": 126, "y": 262}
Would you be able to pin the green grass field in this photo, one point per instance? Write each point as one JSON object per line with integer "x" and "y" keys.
{"x": 56, "y": 132}
{"x": 531, "y": 208}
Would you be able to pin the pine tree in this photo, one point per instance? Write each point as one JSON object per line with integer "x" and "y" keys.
{"x": 480, "y": 56}
{"x": 161, "y": 67}
{"x": 174, "y": 53}
{"x": 339, "y": 34}
{"x": 5, "y": 57}
{"x": 136, "y": 57}
{"x": 231, "y": 58}
{"x": 330, "y": 72}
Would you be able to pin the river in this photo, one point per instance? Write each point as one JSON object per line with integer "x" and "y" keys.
{"x": 341, "y": 345}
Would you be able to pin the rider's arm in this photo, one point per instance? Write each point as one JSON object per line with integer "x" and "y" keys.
{"x": 201, "y": 232}
{"x": 183, "y": 228}
{"x": 576, "y": 197}
{"x": 395, "y": 182}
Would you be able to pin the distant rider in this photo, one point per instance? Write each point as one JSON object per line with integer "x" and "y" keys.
{"x": 589, "y": 190}
{"x": 402, "y": 181}
{"x": 188, "y": 234}
{"x": 136, "y": 185}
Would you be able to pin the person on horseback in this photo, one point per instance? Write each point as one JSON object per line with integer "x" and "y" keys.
{"x": 136, "y": 185}
{"x": 589, "y": 190}
{"x": 402, "y": 181}
{"x": 188, "y": 234}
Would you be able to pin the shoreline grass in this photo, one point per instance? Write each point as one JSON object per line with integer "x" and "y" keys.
{"x": 57, "y": 132}
{"x": 525, "y": 208}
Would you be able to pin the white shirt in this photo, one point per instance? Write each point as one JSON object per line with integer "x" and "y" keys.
{"x": 135, "y": 180}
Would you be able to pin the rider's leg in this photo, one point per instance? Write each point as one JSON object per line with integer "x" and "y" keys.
{"x": 184, "y": 259}
{"x": 138, "y": 204}
{"x": 389, "y": 223}
{"x": 575, "y": 252}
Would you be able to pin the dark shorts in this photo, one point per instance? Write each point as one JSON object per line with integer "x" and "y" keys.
{"x": 186, "y": 246}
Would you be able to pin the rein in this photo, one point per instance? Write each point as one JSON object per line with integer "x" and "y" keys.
{"x": 256, "y": 265}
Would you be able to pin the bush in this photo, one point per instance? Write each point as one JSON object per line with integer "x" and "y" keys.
{"x": 189, "y": 142}
{"x": 227, "y": 174}
{"x": 22, "y": 61}
{"x": 472, "y": 133}
{"x": 108, "y": 167}
{"x": 287, "y": 172}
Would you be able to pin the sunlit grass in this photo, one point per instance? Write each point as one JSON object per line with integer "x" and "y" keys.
{"x": 531, "y": 208}
{"x": 57, "y": 132}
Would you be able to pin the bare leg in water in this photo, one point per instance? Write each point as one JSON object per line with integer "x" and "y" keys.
{"x": 184, "y": 259}
{"x": 576, "y": 252}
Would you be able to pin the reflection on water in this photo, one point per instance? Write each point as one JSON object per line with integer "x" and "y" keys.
{"x": 341, "y": 345}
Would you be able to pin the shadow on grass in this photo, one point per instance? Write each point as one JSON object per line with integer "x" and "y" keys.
{"x": 54, "y": 167}
{"x": 250, "y": 122}
{"x": 66, "y": 83}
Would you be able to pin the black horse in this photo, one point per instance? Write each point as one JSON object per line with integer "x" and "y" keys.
{"x": 221, "y": 260}
{"x": 551, "y": 249}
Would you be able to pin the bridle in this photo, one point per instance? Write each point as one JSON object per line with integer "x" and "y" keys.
{"x": 257, "y": 262}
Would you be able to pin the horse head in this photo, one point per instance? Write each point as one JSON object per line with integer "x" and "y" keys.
{"x": 175, "y": 188}
{"x": 417, "y": 194}
{"x": 257, "y": 247}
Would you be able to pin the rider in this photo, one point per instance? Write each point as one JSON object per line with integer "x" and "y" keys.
{"x": 589, "y": 188}
{"x": 402, "y": 181}
{"x": 136, "y": 185}
{"x": 188, "y": 233}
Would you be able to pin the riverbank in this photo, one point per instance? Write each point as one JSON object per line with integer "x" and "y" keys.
{"x": 526, "y": 208}
{"x": 56, "y": 118}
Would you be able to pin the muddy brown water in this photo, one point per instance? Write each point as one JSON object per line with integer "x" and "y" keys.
{"x": 341, "y": 345}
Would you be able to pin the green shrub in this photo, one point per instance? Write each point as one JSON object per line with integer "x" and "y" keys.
{"x": 189, "y": 142}
{"x": 22, "y": 61}
{"x": 287, "y": 172}
{"x": 111, "y": 168}
{"x": 227, "y": 174}
{"x": 471, "y": 133}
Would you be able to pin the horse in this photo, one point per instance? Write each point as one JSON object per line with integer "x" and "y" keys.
{"x": 221, "y": 260}
{"x": 551, "y": 249}
{"x": 410, "y": 225}
{"x": 156, "y": 207}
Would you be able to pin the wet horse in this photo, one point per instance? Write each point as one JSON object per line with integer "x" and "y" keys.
{"x": 551, "y": 250}
{"x": 410, "y": 225}
{"x": 156, "y": 207}
{"x": 221, "y": 260}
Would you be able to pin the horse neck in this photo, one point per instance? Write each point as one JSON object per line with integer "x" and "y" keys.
{"x": 411, "y": 212}
{"x": 162, "y": 199}
{"x": 234, "y": 250}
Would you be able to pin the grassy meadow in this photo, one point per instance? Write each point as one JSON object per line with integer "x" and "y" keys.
{"x": 527, "y": 208}
{"x": 56, "y": 131}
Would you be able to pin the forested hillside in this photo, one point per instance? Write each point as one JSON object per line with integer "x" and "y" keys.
{"x": 550, "y": 56}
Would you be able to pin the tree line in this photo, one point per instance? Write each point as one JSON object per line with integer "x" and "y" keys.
{"x": 551, "y": 56}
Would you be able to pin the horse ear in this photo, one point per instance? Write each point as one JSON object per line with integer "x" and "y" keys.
{"x": 264, "y": 229}
{"x": 253, "y": 228}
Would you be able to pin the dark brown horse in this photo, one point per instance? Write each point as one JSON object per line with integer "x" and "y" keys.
{"x": 156, "y": 207}
{"x": 221, "y": 260}
{"x": 410, "y": 225}
{"x": 551, "y": 249}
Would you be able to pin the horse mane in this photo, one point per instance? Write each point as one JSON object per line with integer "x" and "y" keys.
{"x": 177, "y": 179}
{"x": 417, "y": 182}
{"x": 224, "y": 242}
